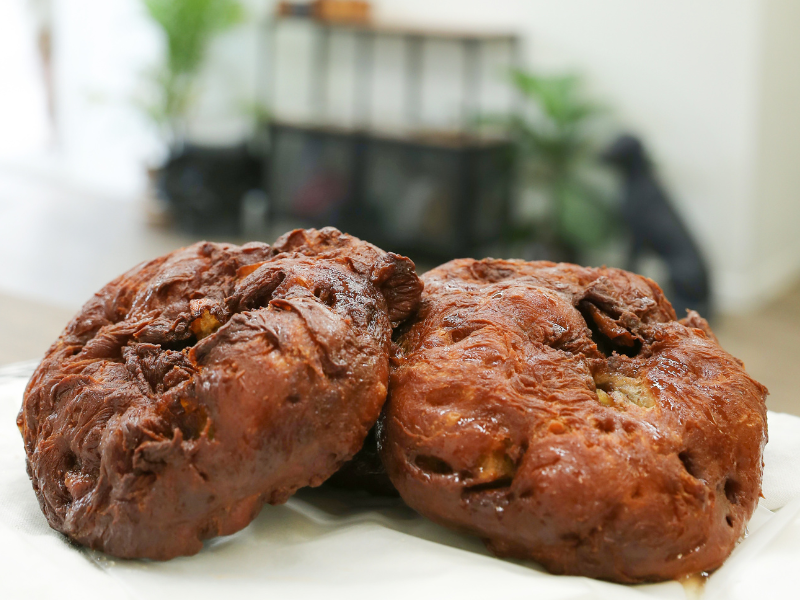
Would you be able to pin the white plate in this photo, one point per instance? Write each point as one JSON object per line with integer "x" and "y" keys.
{"x": 328, "y": 544}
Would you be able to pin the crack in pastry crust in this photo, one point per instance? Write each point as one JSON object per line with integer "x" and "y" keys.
{"x": 199, "y": 385}
{"x": 564, "y": 415}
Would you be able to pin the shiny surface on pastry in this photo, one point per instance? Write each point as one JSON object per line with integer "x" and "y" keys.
{"x": 564, "y": 415}
{"x": 199, "y": 385}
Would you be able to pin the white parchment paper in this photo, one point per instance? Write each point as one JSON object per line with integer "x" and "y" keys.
{"x": 330, "y": 545}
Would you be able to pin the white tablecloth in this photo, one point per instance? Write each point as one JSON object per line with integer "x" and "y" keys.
{"x": 325, "y": 545}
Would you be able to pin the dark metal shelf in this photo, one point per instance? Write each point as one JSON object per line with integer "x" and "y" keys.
{"x": 433, "y": 194}
{"x": 433, "y": 138}
{"x": 414, "y": 40}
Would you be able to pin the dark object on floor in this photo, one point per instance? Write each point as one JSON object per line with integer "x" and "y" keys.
{"x": 201, "y": 384}
{"x": 656, "y": 227}
{"x": 204, "y": 187}
{"x": 564, "y": 415}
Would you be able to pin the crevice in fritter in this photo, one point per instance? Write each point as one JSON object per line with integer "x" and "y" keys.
{"x": 460, "y": 333}
{"x": 433, "y": 464}
{"x": 606, "y": 425}
{"x": 399, "y": 333}
{"x": 689, "y": 464}
{"x": 607, "y": 334}
{"x": 487, "y": 486}
{"x": 179, "y": 345}
{"x": 265, "y": 296}
{"x": 572, "y": 539}
{"x": 729, "y": 520}
{"x": 325, "y": 295}
{"x": 202, "y": 474}
{"x": 155, "y": 368}
{"x": 193, "y": 420}
{"x": 71, "y": 461}
{"x": 733, "y": 490}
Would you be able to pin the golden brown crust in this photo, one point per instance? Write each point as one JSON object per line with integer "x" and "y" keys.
{"x": 565, "y": 416}
{"x": 199, "y": 385}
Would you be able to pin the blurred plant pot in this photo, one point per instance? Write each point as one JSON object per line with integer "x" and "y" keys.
{"x": 203, "y": 187}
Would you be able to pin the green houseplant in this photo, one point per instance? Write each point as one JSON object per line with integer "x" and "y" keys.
{"x": 197, "y": 188}
{"x": 188, "y": 27}
{"x": 553, "y": 136}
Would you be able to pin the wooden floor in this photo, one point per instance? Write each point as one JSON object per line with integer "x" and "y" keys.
{"x": 768, "y": 341}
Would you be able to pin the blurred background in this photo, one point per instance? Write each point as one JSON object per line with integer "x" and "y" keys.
{"x": 658, "y": 137}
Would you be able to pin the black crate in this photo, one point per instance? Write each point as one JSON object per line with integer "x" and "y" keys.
{"x": 431, "y": 198}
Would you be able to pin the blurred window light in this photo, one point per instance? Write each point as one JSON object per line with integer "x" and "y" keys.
{"x": 24, "y": 127}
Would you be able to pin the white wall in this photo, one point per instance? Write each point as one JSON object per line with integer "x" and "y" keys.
{"x": 682, "y": 74}
{"x": 775, "y": 206}
{"x": 104, "y": 52}
{"x": 711, "y": 86}
{"x": 23, "y": 109}
{"x": 101, "y": 51}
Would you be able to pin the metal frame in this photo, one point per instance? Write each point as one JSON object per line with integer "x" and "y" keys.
{"x": 468, "y": 146}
